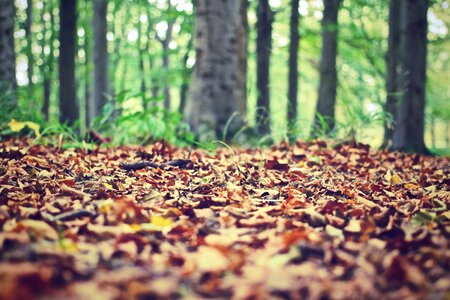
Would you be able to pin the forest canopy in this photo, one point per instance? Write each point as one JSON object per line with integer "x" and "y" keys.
{"x": 130, "y": 70}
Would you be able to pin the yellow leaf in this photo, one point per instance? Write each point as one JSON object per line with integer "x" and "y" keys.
{"x": 136, "y": 227}
{"x": 108, "y": 186}
{"x": 388, "y": 176}
{"x": 396, "y": 179}
{"x": 160, "y": 221}
{"x": 411, "y": 186}
{"x": 69, "y": 245}
{"x": 18, "y": 126}
{"x": 105, "y": 206}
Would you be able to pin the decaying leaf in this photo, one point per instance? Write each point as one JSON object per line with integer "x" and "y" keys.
{"x": 303, "y": 221}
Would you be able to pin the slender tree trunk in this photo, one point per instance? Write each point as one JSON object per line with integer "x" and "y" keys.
{"x": 293, "y": 63}
{"x": 141, "y": 52}
{"x": 263, "y": 51}
{"x": 101, "y": 90}
{"x": 89, "y": 101}
{"x": 328, "y": 77}
{"x": 29, "y": 49}
{"x": 8, "y": 83}
{"x": 68, "y": 107}
{"x": 392, "y": 57}
{"x": 155, "y": 83}
{"x": 218, "y": 88}
{"x": 48, "y": 60}
{"x": 166, "y": 58}
{"x": 187, "y": 72}
{"x": 119, "y": 32}
{"x": 409, "y": 129}
{"x": 151, "y": 64}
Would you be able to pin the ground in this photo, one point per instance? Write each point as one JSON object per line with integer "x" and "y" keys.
{"x": 306, "y": 221}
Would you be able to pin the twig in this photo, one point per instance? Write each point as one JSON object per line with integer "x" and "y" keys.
{"x": 133, "y": 166}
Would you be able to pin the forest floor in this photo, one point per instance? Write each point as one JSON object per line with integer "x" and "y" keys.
{"x": 307, "y": 221}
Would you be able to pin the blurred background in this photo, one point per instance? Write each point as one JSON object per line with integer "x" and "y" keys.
{"x": 148, "y": 56}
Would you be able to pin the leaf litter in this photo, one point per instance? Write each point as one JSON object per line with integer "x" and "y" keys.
{"x": 302, "y": 221}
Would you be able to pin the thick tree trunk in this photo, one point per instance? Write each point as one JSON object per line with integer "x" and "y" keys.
{"x": 68, "y": 107}
{"x": 263, "y": 51}
{"x": 392, "y": 59}
{"x": 101, "y": 90}
{"x": 409, "y": 129}
{"x": 8, "y": 83}
{"x": 29, "y": 49}
{"x": 328, "y": 77}
{"x": 218, "y": 88}
{"x": 293, "y": 63}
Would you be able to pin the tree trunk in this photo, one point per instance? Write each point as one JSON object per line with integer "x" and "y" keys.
{"x": 154, "y": 84}
{"x": 29, "y": 49}
{"x": 409, "y": 129}
{"x": 218, "y": 87}
{"x": 8, "y": 83}
{"x": 101, "y": 91}
{"x": 68, "y": 107}
{"x": 119, "y": 29}
{"x": 47, "y": 65}
{"x": 293, "y": 63}
{"x": 392, "y": 57}
{"x": 154, "y": 78}
{"x": 187, "y": 73}
{"x": 328, "y": 77}
{"x": 141, "y": 52}
{"x": 165, "y": 57}
{"x": 263, "y": 51}
{"x": 87, "y": 46}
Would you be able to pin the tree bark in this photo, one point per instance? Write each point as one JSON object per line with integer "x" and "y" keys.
{"x": 29, "y": 49}
{"x": 101, "y": 90}
{"x": 47, "y": 66}
{"x": 218, "y": 88}
{"x": 187, "y": 73}
{"x": 166, "y": 58}
{"x": 409, "y": 129}
{"x": 293, "y": 63}
{"x": 154, "y": 84}
{"x": 87, "y": 46}
{"x": 392, "y": 58}
{"x": 141, "y": 51}
{"x": 8, "y": 83}
{"x": 263, "y": 51}
{"x": 328, "y": 77}
{"x": 68, "y": 107}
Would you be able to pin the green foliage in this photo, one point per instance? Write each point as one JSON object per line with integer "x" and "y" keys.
{"x": 358, "y": 119}
{"x": 142, "y": 126}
